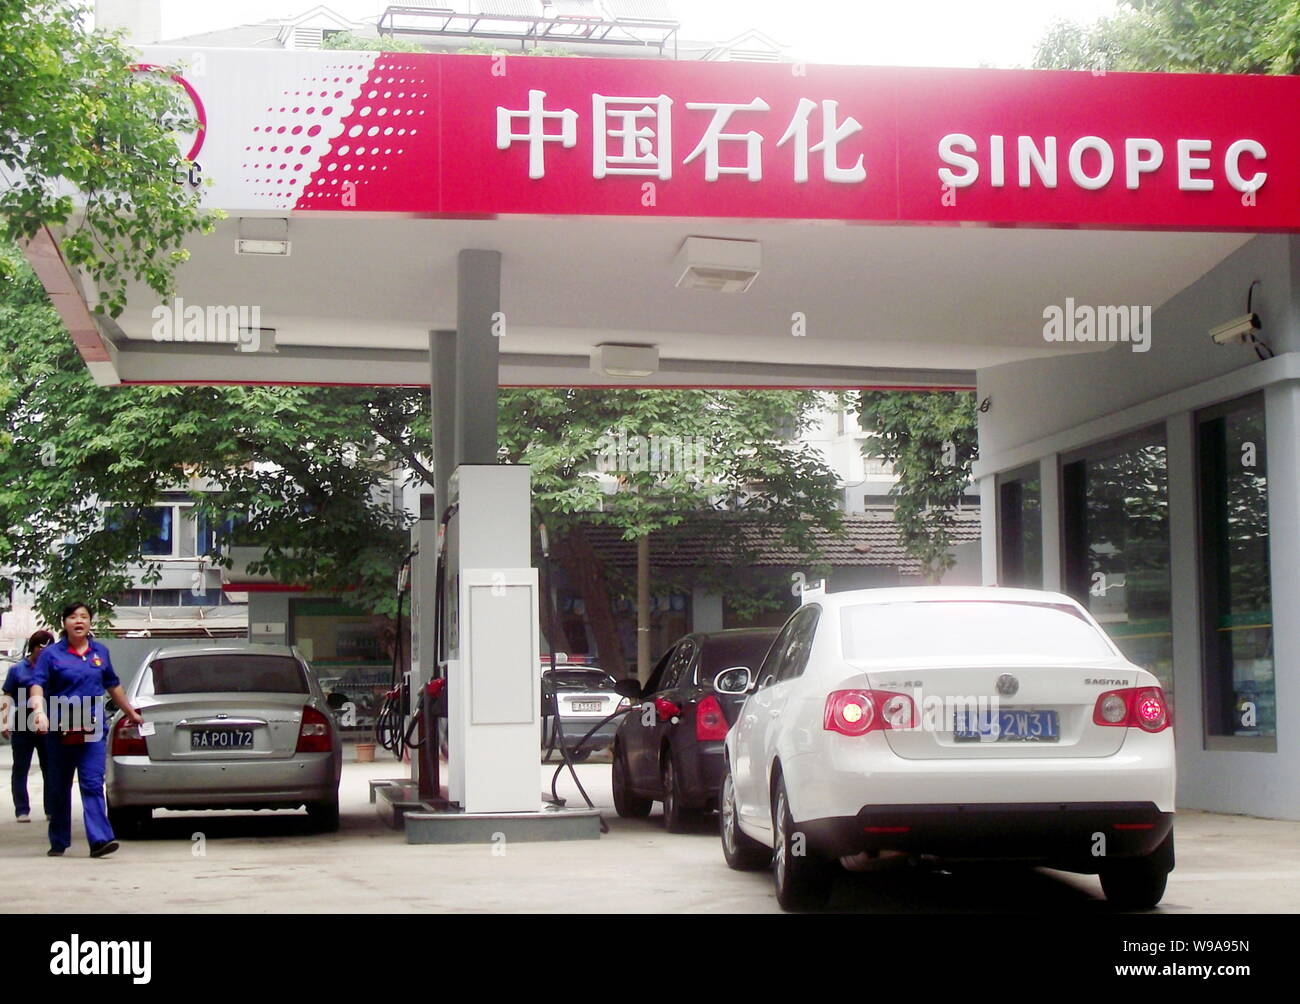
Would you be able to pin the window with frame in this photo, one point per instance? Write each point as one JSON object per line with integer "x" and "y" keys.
{"x": 795, "y": 658}
{"x": 773, "y": 660}
{"x": 653, "y": 683}
{"x": 1115, "y": 529}
{"x": 1020, "y": 529}
{"x": 679, "y": 668}
{"x": 159, "y": 527}
{"x": 1240, "y": 696}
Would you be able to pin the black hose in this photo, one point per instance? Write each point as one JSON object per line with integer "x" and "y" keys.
{"x": 389, "y": 731}
{"x": 568, "y": 760}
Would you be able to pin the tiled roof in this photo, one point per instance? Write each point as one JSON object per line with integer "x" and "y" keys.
{"x": 869, "y": 539}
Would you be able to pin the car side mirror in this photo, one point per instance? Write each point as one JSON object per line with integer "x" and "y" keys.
{"x": 735, "y": 680}
{"x": 630, "y": 688}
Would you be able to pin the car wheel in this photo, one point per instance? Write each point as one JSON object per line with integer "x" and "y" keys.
{"x": 324, "y": 816}
{"x": 129, "y": 823}
{"x": 677, "y": 818}
{"x": 1139, "y": 883}
{"x": 626, "y": 804}
{"x": 803, "y": 880}
{"x": 743, "y": 852}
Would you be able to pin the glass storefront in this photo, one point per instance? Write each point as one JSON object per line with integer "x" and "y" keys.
{"x": 1240, "y": 699}
{"x": 1116, "y": 538}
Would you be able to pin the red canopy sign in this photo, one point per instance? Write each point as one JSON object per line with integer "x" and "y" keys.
{"x": 482, "y": 135}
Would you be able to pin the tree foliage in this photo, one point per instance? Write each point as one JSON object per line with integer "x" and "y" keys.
{"x": 309, "y": 471}
{"x": 360, "y": 43}
{"x": 930, "y": 439}
{"x": 306, "y": 466}
{"x": 739, "y": 456}
{"x": 87, "y": 144}
{"x": 1193, "y": 36}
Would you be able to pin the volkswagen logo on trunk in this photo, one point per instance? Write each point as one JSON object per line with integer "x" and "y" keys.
{"x": 1007, "y": 685}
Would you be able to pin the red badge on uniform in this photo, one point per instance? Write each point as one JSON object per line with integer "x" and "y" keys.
{"x": 97, "y": 661}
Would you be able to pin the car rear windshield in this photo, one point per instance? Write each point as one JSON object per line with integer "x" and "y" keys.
{"x": 227, "y": 673}
{"x": 974, "y": 629}
{"x": 580, "y": 679}
{"x": 739, "y": 650}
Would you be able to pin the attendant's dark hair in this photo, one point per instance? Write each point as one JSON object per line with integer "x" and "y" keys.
{"x": 41, "y": 637}
{"x": 68, "y": 611}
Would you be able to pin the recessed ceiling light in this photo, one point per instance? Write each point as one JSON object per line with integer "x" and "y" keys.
{"x": 717, "y": 265}
{"x": 625, "y": 360}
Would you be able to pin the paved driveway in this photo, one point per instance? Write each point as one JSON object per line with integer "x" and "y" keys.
{"x": 271, "y": 862}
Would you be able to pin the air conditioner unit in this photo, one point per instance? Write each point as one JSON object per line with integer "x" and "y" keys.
{"x": 717, "y": 265}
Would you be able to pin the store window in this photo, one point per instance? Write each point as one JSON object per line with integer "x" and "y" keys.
{"x": 348, "y": 652}
{"x": 1240, "y": 699}
{"x": 158, "y": 524}
{"x": 1116, "y": 534}
{"x": 1020, "y": 529}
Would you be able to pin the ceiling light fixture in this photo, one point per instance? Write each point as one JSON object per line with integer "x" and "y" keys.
{"x": 263, "y": 236}
{"x": 618, "y": 360}
{"x": 718, "y": 265}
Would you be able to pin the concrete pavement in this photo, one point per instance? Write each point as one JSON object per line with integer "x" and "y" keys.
{"x": 271, "y": 862}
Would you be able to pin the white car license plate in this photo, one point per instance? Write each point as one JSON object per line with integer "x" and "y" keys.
{"x": 577, "y": 706}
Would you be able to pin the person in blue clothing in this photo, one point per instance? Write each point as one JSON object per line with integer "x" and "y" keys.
{"x": 25, "y": 741}
{"x": 74, "y": 673}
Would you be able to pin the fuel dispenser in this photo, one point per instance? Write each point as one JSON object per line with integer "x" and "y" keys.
{"x": 482, "y": 595}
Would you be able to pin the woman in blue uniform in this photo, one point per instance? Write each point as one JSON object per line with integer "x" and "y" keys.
{"x": 25, "y": 740}
{"x": 75, "y": 672}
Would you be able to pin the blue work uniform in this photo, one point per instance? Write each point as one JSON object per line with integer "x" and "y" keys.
{"x": 80, "y": 679}
{"x": 24, "y": 739}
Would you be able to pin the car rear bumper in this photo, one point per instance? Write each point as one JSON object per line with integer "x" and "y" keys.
{"x": 1076, "y": 835}
{"x": 851, "y": 773}
{"x": 702, "y": 765}
{"x": 137, "y": 781}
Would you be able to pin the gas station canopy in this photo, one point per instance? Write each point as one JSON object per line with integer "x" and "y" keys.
{"x": 893, "y": 227}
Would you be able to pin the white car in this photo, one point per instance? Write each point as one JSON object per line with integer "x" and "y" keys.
{"x": 965, "y": 723}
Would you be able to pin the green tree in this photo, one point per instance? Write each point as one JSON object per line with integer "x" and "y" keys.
{"x": 68, "y": 447}
{"x": 1194, "y": 36}
{"x": 305, "y": 470}
{"x": 360, "y": 43}
{"x": 930, "y": 438}
{"x": 87, "y": 145}
{"x": 740, "y": 458}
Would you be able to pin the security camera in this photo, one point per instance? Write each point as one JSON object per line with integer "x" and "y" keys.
{"x": 1239, "y": 329}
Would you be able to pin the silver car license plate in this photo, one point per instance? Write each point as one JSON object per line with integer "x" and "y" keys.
{"x": 577, "y": 706}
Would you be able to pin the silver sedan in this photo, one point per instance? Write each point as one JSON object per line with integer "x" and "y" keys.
{"x": 225, "y": 727}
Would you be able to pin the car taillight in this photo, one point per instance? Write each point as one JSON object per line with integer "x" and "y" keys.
{"x": 710, "y": 722}
{"x": 857, "y": 712}
{"x": 127, "y": 740}
{"x": 1133, "y": 707}
{"x": 666, "y": 710}
{"x": 314, "y": 736}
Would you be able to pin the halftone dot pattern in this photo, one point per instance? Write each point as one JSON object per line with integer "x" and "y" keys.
{"x": 287, "y": 145}
{"x": 388, "y": 122}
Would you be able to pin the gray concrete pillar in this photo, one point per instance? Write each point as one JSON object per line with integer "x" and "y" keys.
{"x": 442, "y": 400}
{"x": 1049, "y": 485}
{"x": 479, "y": 324}
{"x": 989, "y": 530}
